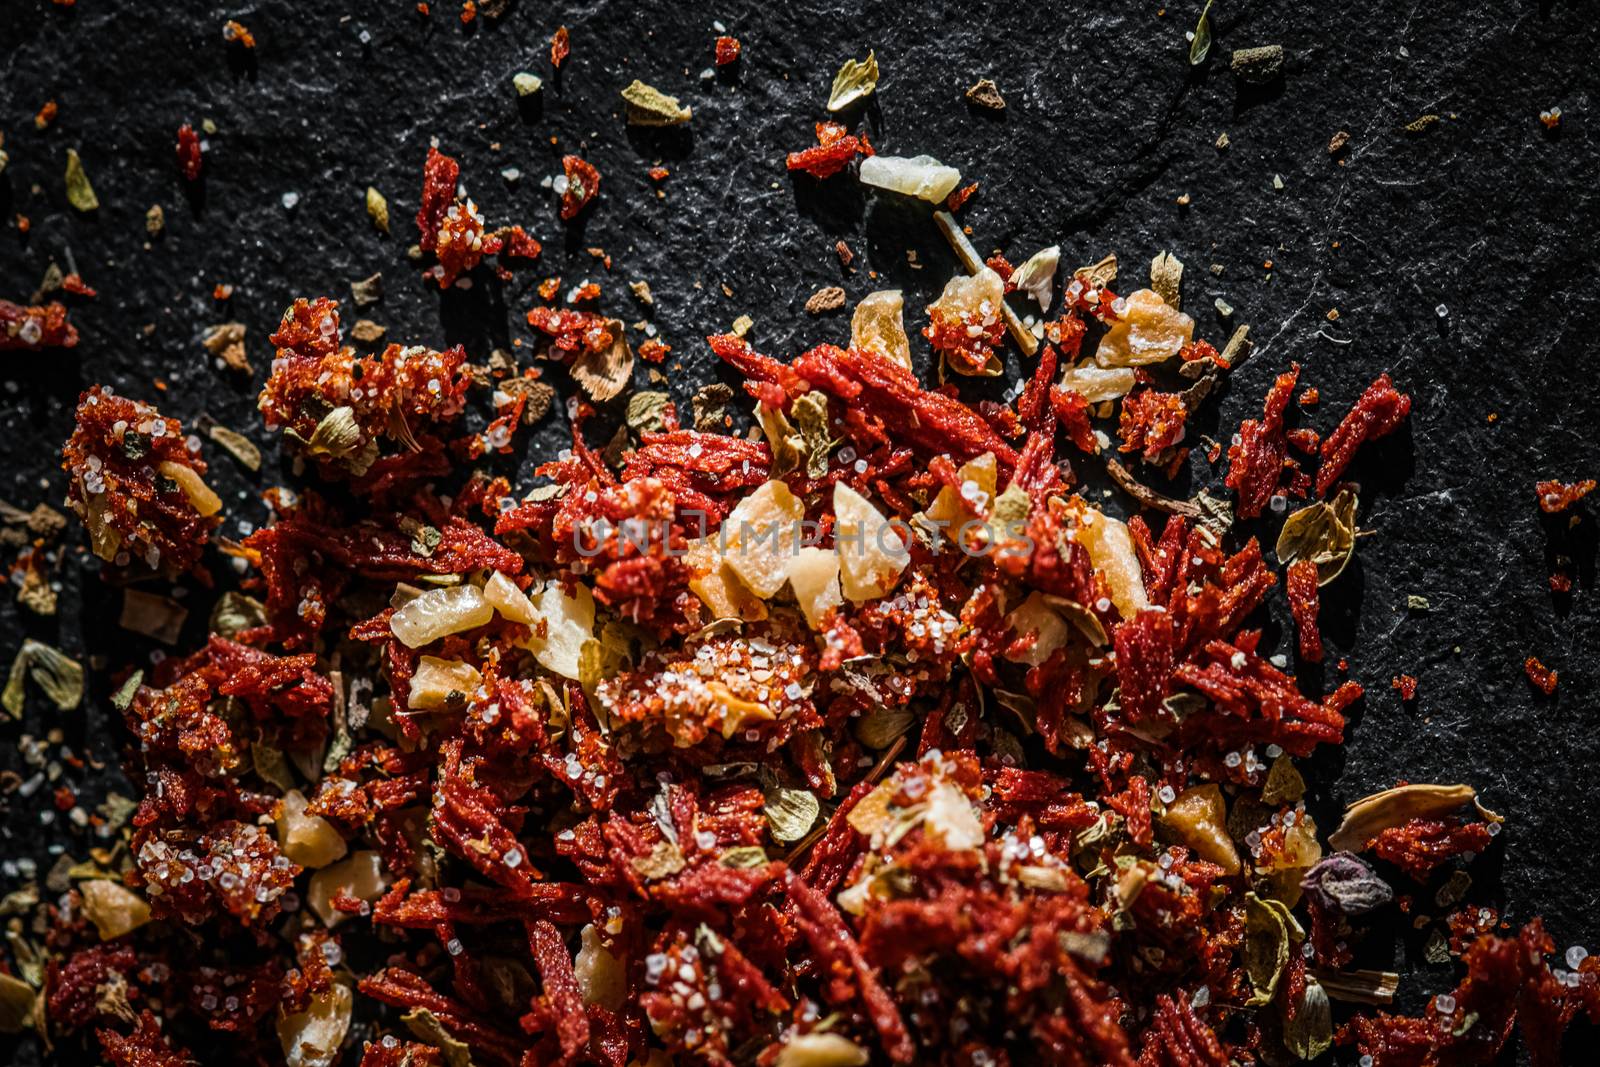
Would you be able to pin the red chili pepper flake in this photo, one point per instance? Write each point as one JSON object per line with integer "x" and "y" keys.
{"x": 23, "y": 225}
{"x": 834, "y": 150}
{"x": 1556, "y": 497}
{"x": 1301, "y": 584}
{"x": 235, "y": 33}
{"x": 727, "y": 51}
{"x": 577, "y": 186}
{"x": 33, "y": 328}
{"x": 572, "y": 332}
{"x": 189, "y": 159}
{"x": 222, "y": 291}
{"x": 1406, "y": 686}
{"x": 1378, "y": 412}
{"x": 654, "y": 350}
{"x": 46, "y": 115}
{"x": 549, "y": 288}
{"x": 560, "y": 47}
{"x": 958, "y": 199}
{"x": 439, "y": 175}
{"x": 75, "y": 285}
{"x": 586, "y": 293}
{"x": 658, "y": 173}
{"x": 1304, "y": 439}
{"x": 1421, "y": 845}
{"x": 423, "y": 9}
{"x": 1256, "y": 458}
{"x": 1543, "y": 678}
{"x": 1151, "y": 423}
{"x": 1309, "y": 397}
{"x": 469, "y": 12}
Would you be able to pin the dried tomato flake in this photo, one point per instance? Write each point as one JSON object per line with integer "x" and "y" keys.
{"x": 560, "y": 47}
{"x": 1301, "y": 585}
{"x": 1543, "y": 678}
{"x": 1406, "y": 686}
{"x": 1378, "y": 412}
{"x": 727, "y": 51}
{"x": 580, "y": 182}
{"x": 189, "y": 156}
{"x": 1556, "y": 497}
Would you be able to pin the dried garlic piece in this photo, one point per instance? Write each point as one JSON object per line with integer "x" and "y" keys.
{"x": 878, "y": 324}
{"x": 602, "y": 979}
{"x": 871, "y": 552}
{"x": 569, "y": 623}
{"x": 1371, "y": 815}
{"x": 361, "y": 876}
{"x": 1199, "y": 820}
{"x": 814, "y": 578}
{"x": 791, "y": 813}
{"x": 441, "y": 684}
{"x": 438, "y": 613}
{"x": 311, "y": 1038}
{"x": 649, "y": 106}
{"x": 113, "y": 908}
{"x": 821, "y": 1050}
{"x": 511, "y": 602}
{"x": 194, "y": 488}
{"x": 950, "y": 820}
{"x": 718, "y": 586}
{"x": 1111, "y": 551}
{"x": 920, "y": 176}
{"x": 1097, "y": 384}
{"x": 1148, "y": 330}
{"x": 309, "y": 840}
{"x": 1035, "y": 616}
{"x": 761, "y": 536}
{"x": 1037, "y": 276}
{"x": 952, "y": 510}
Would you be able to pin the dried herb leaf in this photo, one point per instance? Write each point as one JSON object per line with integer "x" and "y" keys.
{"x": 1166, "y": 278}
{"x": 1308, "y": 1033}
{"x": 235, "y": 613}
{"x": 1324, "y": 533}
{"x": 59, "y": 675}
{"x": 1284, "y": 784}
{"x": 237, "y": 445}
{"x": 1266, "y": 947}
{"x": 649, "y": 106}
{"x": 271, "y": 765}
{"x": 985, "y": 93}
{"x": 811, "y": 412}
{"x": 425, "y": 1027}
{"x": 879, "y": 727}
{"x": 786, "y": 443}
{"x": 80, "y": 194}
{"x": 1370, "y": 816}
{"x": 603, "y": 375}
{"x": 646, "y": 411}
{"x": 338, "y": 434}
{"x": 1200, "y": 44}
{"x": 855, "y": 81}
{"x": 710, "y": 404}
{"x": 1421, "y": 123}
{"x": 378, "y": 209}
{"x": 1363, "y": 987}
{"x": 1099, "y": 275}
{"x": 745, "y": 857}
{"x": 1343, "y": 882}
{"x": 123, "y": 697}
{"x": 791, "y": 812}
{"x": 1037, "y": 276}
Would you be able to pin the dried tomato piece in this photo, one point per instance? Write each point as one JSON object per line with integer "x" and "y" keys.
{"x": 1301, "y": 585}
{"x": 958, "y": 199}
{"x": 560, "y": 47}
{"x": 1146, "y": 654}
{"x": 1377, "y": 412}
{"x": 1255, "y": 461}
{"x": 439, "y": 175}
{"x": 727, "y": 51}
{"x": 1421, "y": 845}
{"x": 1152, "y": 422}
{"x": 1543, "y": 678}
{"x": 834, "y": 150}
{"x": 1406, "y": 686}
{"x": 578, "y": 185}
{"x": 1556, "y": 497}
{"x": 33, "y": 328}
{"x": 189, "y": 158}
{"x": 146, "y": 1046}
{"x": 572, "y": 332}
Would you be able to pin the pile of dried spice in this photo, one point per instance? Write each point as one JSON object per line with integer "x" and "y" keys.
{"x": 863, "y": 738}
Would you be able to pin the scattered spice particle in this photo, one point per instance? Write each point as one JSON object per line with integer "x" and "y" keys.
{"x": 654, "y": 350}
{"x": 1406, "y": 686}
{"x": 235, "y": 33}
{"x": 1543, "y": 678}
{"x": 80, "y": 194}
{"x": 958, "y": 199}
{"x": 1556, "y": 497}
{"x": 1422, "y": 123}
{"x": 1222, "y": 140}
{"x": 985, "y": 94}
{"x": 469, "y": 12}
{"x": 378, "y": 209}
{"x": 727, "y": 51}
{"x": 560, "y": 47}
{"x": 189, "y": 153}
{"x": 842, "y": 250}
{"x": 46, "y": 115}
{"x": 222, "y": 291}
{"x": 1551, "y": 119}
{"x": 1337, "y": 142}
{"x": 829, "y": 298}
{"x": 1258, "y": 66}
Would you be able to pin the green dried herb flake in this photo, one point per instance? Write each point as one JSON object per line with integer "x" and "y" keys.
{"x": 59, "y": 675}
{"x": 647, "y": 411}
{"x": 856, "y": 80}
{"x": 791, "y": 813}
{"x": 1200, "y": 40}
{"x": 80, "y": 194}
{"x": 649, "y": 106}
{"x": 1324, "y": 533}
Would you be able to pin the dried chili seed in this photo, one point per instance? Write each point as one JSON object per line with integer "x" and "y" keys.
{"x": 1377, "y": 412}
{"x": 1556, "y": 497}
{"x": 1543, "y": 678}
{"x": 189, "y": 157}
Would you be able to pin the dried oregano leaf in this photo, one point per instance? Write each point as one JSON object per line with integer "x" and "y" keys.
{"x": 1266, "y": 947}
{"x": 1166, "y": 278}
{"x": 378, "y": 208}
{"x": 59, "y": 675}
{"x": 710, "y": 405}
{"x": 744, "y": 857}
{"x": 1370, "y": 816}
{"x": 1309, "y": 1032}
{"x": 1098, "y": 275}
{"x": 811, "y": 413}
{"x": 123, "y": 697}
{"x": 879, "y": 727}
{"x": 237, "y": 445}
{"x": 786, "y": 443}
{"x": 16, "y": 1004}
{"x": 855, "y": 81}
{"x": 80, "y": 194}
{"x": 1200, "y": 44}
{"x": 426, "y": 1028}
{"x": 646, "y": 411}
{"x": 1324, "y": 533}
{"x": 791, "y": 813}
{"x": 236, "y": 612}
{"x": 649, "y": 106}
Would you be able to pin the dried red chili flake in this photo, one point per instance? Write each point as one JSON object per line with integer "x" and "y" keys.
{"x": 23, "y": 226}
{"x": 516, "y": 243}
{"x": 469, "y": 12}
{"x": 189, "y": 156}
{"x": 1406, "y": 686}
{"x": 137, "y": 484}
{"x": 1146, "y": 656}
{"x": 439, "y": 175}
{"x": 1556, "y": 497}
{"x": 1421, "y": 845}
{"x": 966, "y": 338}
{"x": 577, "y": 186}
{"x": 1543, "y": 678}
{"x": 74, "y": 284}
{"x": 235, "y": 33}
{"x": 460, "y": 244}
{"x": 1305, "y": 439}
{"x": 654, "y": 350}
{"x": 658, "y": 174}
{"x": 1377, "y": 412}
{"x": 1309, "y": 397}
{"x": 572, "y": 332}
{"x": 727, "y": 51}
{"x": 560, "y": 47}
{"x": 1255, "y": 462}
{"x": 834, "y": 150}
{"x": 146, "y": 1046}
{"x": 1257, "y": 703}
{"x": 1151, "y": 423}
{"x": 222, "y": 291}
{"x": 1301, "y": 584}
{"x": 33, "y": 328}
{"x": 958, "y": 199}
{"x": 45, "y": 116}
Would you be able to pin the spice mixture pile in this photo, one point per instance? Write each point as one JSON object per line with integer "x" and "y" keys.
{"x": 859, "y": 737}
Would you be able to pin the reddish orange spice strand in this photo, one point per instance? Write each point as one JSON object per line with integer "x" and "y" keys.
{"x": 1406, "y": 686}
{"x": 1301, "y": 585}
{"x": 560, "y": 47}
{"x": 1255, "y": 462}
{"x": 235, "y": 33}
{"x": 834, "y": 150}
{"x": 1556, "y": 497}
{"x": 583, "y": 183}
{"x": 654, "y": 350}
{"x": 1151, "y": 423}
{"x": 958, "y": 199}
{"x": 469, "y": 11}
{"x": 1543, "y": 678}
{"x": 46, "y": 115}
{"x": 727, "y": 51}
{"x": 1378, "y": 412}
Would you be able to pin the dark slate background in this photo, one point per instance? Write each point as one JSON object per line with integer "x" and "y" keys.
{"x": 1486, "y": 214}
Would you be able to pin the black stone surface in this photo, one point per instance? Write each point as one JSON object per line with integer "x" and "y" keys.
{"x": 1486, "y": 214}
